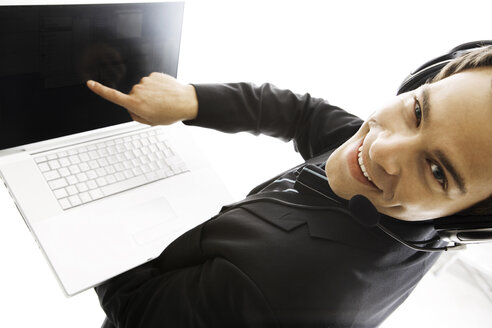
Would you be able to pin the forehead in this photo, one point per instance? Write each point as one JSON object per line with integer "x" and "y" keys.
{"x": 461, "y": 124}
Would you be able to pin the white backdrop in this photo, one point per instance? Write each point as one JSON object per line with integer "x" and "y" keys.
{"x": 353, "y": 53}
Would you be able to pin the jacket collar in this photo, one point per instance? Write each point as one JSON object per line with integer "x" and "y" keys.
{"x": 329, "y": 217}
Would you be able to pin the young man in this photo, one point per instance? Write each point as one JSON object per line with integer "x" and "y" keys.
{"x": 264, "y": 262}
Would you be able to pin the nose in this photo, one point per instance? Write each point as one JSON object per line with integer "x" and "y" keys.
{"x": 387, "y": 153}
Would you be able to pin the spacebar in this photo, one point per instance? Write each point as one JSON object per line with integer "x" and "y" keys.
{"x": 124, "y": 185}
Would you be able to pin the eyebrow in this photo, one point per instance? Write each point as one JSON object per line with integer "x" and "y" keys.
{"x": 457, "y": 177}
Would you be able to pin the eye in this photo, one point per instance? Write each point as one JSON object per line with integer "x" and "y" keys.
{"x": 439, "y": 175}
{"x": 418, "y": 111}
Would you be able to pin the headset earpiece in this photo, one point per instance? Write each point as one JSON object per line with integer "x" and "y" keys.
{"x": 430, "y": 69}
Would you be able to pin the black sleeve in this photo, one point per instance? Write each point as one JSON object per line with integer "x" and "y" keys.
{"x": 313, "y": 123}
{"x": 212, "y": 294}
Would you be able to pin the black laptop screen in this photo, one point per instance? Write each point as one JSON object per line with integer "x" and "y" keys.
{"x": 47, "y": 53}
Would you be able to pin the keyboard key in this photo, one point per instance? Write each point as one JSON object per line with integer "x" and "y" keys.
{"x": 54, "y": 164}
{"x": 72, "y": 179}
{"x": 137, "y": 170}
{"x": 111, "y": 179}
{"x": 51, "y": 175}
{"x": 58, "y": 183}
{"x": 82, "y": 177}
{"x": 110, "y": 143}
{"x": 101, "y": 172}
{"x": 84, "y": 157}
{"x": 84, "y": 167}
{"x": 71, "y": 190}
{"x": 74, "y": 169}
{"x": 60, "y": 193}
{"x": 101, "y": 181}
{"x": 128, "y": 155}
{"x": 102, "y": 162}
{"x": 74, "y": 159}
{"x": 91, "y": 175}
{"x": 119, "y": 167}
{"x": 64, "y": 172}
{"x": 75, "y": 200}
{"x": 128, "y": 173}
{"x": 102, "y": 152}
{"x": 137, "y": 152}
{"x": 119, "y": 176}
{"x": 64, "y": 203}
{"x": 93, "y": 154}
{"x": 152, "y": 176}
{"x": 81, "y": 187}
{"x": 93, "y": 165}
{"x": 112, "y": 150}
{"x": 64, "y": 161}
{"x": 112, "y": 159}
{"x": 145, "y": 168}
{"x": 152, "y": 157}
{"x": 96, "y": 194}
{"x": 43, "y": 167}
{"x": 124, "y": 185}
{"x": 40, "y": 159}
{"x": 52, "y": 156}
{"x": 85, "y": 197}
{"x": 153, "y": 166}
{"x": 110, "y": 169}
{"x": 128, "y": 164}
{"x": 92, "y": 184}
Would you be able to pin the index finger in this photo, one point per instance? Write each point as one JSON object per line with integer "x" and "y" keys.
{"x": 110, "y": 94}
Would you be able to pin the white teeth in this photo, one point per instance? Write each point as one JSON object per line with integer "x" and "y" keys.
{"x": 361, "y": 164}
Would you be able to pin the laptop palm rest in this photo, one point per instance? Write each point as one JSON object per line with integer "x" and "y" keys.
{"x": 115, "y": 241}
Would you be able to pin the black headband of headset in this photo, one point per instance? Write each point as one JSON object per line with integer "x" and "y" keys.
{"x": 430, "y": 69}
{"x": 420, "y": 76}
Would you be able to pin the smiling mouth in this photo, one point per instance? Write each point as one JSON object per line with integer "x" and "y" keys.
{"x": 361, "y": 163}
{"x": 357, "y": 167}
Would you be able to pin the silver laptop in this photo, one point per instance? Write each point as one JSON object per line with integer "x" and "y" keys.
{"x": 101, "y": 194}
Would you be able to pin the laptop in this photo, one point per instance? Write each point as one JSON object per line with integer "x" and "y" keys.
{"x": 100, "y": 193}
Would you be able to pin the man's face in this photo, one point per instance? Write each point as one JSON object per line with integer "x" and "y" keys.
{"x": 428, "y": 152}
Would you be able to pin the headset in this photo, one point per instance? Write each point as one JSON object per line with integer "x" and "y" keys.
{"x": 427, "y": 71}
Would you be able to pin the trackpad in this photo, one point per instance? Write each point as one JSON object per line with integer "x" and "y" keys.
{"x": 151, "y": 221}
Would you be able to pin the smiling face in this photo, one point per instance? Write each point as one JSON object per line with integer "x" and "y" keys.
{"x": 426, "y": 154}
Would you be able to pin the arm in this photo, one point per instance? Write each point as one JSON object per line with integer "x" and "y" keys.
{"x": 212, "y": 294}
{"x": 312, "y": 123}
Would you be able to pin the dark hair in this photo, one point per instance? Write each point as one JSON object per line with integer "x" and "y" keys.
{"x": 481, "y": 57}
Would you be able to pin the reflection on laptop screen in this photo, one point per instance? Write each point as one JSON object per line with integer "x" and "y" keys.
{"x": 48, "y": 52}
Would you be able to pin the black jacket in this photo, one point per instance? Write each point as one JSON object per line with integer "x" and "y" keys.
{"x": 263, "y": 262}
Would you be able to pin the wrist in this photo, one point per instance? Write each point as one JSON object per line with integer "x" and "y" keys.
{"x": 192, "y": 102}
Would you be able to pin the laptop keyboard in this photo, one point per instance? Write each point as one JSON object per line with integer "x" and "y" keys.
{"x": 82, "y": 174}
